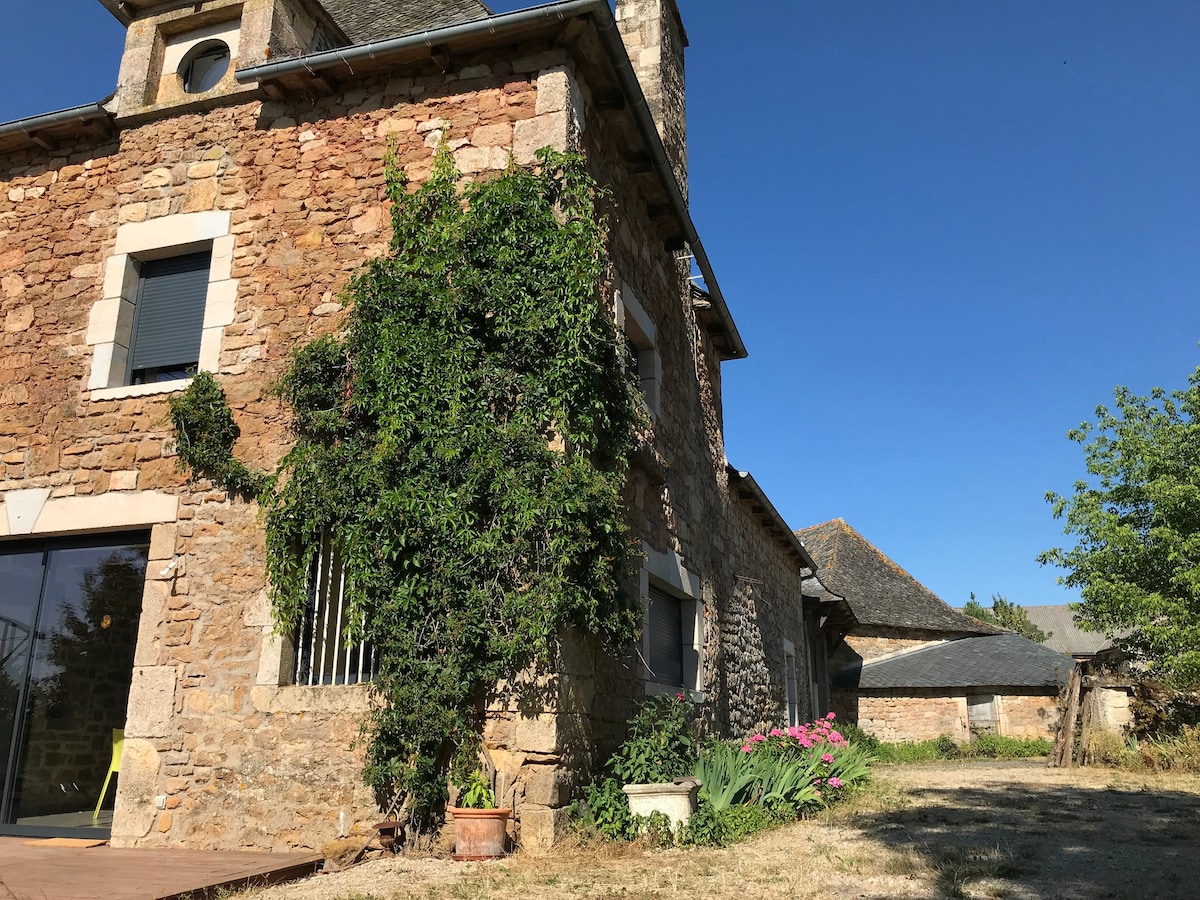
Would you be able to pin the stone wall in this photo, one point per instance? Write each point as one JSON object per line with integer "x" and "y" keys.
{"x": 910, "y": 715}
{"x": 1028, "y": 715}
{"x": 220, "y": 750}
{"x": 919, "y": 715}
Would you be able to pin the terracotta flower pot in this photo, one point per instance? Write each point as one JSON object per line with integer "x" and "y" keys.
{"x": 480, "y": 833}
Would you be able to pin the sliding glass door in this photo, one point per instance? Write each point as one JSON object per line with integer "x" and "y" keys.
{"x": 68, "y": 627}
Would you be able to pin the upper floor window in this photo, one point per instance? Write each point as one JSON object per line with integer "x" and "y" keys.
{"x": 167, "y": 299}
{"x": 164, "y": 344}
{"x": 640, "y": 336}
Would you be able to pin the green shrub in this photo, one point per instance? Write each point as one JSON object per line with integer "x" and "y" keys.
{"x": 985, "y": 746}
{"x": 859, "y": 738}
{"x": 710, "y": 827}
{"x": 658, "y": 747}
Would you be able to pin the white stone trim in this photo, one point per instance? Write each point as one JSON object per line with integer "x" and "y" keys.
{"x": 81, "y": 515}
{"x": 110, "y": 322}
{"x": 178, "y": 45}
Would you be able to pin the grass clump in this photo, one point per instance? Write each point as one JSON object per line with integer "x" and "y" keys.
{"x": 1179, "y": 752}
{"x": 944, "y": 748}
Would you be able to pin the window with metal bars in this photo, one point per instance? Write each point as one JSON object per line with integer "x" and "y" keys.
{"x": 323, "y": 655}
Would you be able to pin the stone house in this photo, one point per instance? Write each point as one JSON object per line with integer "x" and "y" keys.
{"x": 205, "y": 217}
{"x": 905, "y": 666}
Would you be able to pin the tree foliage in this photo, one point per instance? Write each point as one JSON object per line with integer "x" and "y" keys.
{"x": 464, "y": 443}
{"x": 1137, "y": 523}
{"x": 1006, "y": 614}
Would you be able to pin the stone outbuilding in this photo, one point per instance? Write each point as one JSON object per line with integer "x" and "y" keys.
{"x": 206, "y": 217}
{"x": 906, "y": 666}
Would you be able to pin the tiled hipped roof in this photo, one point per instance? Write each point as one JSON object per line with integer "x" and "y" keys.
{"x": 878, "y": 591}
{"x": 373, "y": 20}
{"x": 991, "y": 660}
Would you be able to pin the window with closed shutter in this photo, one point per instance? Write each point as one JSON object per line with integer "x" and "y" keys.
{"x": 665, "y": 632}
{"x": 168, "y": 318}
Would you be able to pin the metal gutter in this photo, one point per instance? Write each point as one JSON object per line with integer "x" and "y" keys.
{"x": 85, "y": 113}
{"x": 760, "y": 496}
{"x": 610, "y": 38}
{"x": 346, "y": 56}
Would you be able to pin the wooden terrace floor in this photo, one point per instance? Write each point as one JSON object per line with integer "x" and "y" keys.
{"x": 32, "y": 869}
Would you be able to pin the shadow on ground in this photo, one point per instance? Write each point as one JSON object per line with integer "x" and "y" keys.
{"x": 1037, "y": 840}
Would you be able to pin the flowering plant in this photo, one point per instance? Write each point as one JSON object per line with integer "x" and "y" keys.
{"x": 818, "y": 747}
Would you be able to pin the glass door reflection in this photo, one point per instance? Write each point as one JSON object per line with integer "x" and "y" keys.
{"x": 66, "y": 682}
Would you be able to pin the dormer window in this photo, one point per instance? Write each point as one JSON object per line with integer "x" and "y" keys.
{"x": 203, "y": 67}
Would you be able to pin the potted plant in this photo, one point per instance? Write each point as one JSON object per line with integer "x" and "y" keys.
{"x": 480, "y": 829}
{"x": 656, "y": 760}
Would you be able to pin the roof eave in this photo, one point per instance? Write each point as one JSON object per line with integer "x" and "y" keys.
{"x": 756, "y": 493}
{"x": 498, "y": 26}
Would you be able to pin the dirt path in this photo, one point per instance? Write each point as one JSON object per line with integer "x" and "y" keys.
{"x": 1014, "y": 830}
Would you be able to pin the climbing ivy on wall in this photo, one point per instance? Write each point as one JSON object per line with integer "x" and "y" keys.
{"x": 464, "y": 441}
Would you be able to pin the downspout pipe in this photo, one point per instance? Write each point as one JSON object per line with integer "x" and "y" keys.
{"x": 610, "y": 38}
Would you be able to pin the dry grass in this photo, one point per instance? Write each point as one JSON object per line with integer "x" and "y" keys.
{"x": 979, "y": 830}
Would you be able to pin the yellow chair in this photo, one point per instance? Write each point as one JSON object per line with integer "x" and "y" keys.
{"x": 118, "y": 748}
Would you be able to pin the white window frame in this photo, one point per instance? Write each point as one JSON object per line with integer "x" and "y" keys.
{"x": 791, "y": 683}
{"x": 110, "y": 323}
{"x": 668, "y": 574}
{"x": 633, "y": 322}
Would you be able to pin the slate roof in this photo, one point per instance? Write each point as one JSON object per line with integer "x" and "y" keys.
{"x": 373, "y": 20}
{"x": 990, "y": 660}
{"x": 1065, "y": 636}
{"x": 878, "y": 591}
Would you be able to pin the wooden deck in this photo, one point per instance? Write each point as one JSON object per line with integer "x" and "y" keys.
{"x": 31, "y": 869}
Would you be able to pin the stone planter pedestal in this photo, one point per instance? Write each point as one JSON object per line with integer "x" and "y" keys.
{"x": 675, "y": 801}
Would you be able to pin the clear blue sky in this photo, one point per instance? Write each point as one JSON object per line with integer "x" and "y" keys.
{"x": 947, "y": 230}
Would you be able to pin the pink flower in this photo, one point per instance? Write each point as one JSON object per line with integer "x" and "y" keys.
{"x": 746, "y": 748}
{"x": 835, "y": 782}
{"x": 775, "y": 732}
{"x": 758, "y": 737}
{"x": 836, "y": 737}
{"x": 793, "y": 732}
{"x": 831, "y": 716}
{"x": 805, "y": 742}
{"x": 826, "y": 757}
{"x": 679, "y": 696}
{"x": 818, "y": 793}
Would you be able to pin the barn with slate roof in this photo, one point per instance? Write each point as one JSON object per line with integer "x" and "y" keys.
{"x": 907, "y": 666}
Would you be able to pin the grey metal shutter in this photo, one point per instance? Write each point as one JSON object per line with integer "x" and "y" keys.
{"x": 665, "y": 630}
{"x": 169, "y": 315}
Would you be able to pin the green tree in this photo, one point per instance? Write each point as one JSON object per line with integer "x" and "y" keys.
{"x": 1006, "y": 614}
{"x": 1137, "y": 521}
{"x": 977, "y": 610}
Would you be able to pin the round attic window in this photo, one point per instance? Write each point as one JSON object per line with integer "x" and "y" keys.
{"x": 204, "y": 66}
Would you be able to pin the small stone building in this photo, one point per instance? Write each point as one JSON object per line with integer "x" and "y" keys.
{"x": 905, "y": 666}
{"x": 205, "y": 217}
